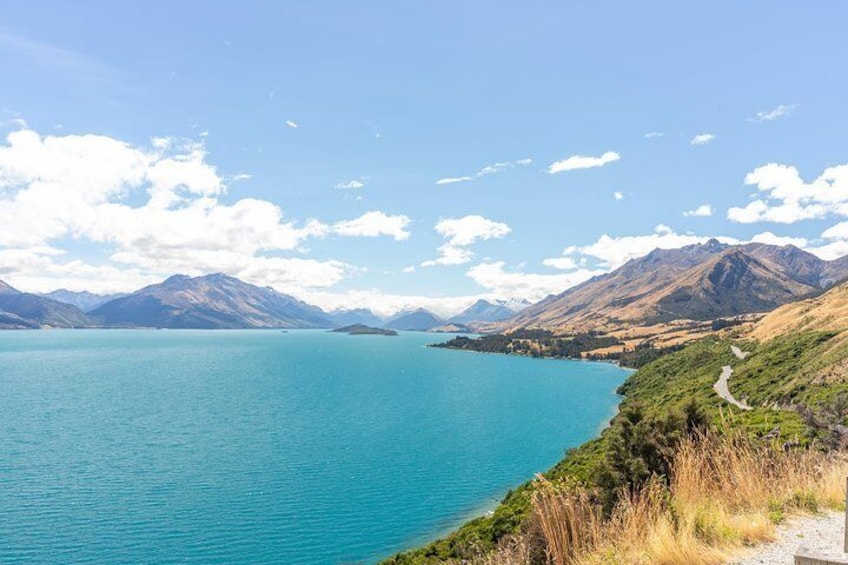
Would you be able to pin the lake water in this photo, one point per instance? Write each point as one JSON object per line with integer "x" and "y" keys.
{"x": 268, "y": 447}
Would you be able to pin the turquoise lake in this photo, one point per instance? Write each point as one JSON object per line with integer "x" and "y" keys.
{"x": 268, "y": 447}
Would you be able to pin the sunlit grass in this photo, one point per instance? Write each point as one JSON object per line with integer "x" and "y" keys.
{"x": 725, "y": 493}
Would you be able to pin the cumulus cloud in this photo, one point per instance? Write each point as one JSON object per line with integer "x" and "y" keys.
{"x": 618, "y": 195}
{"x": 388, "y": 304}
{"x": 702, "y": 139}
{"x": 155, "y": 210}
{"x": 786, "y": 198}
{"x": 653, "y": 134}
{"x": 563, "y": 263}
{"x": 351, "y": 184}
{"x": 770, "y": 115}
{"x": 460, "y": 234}
{"x": 583, "y": 162}
{"x": 609, "y": 252}
{"x": 453, "y": 180}
{"x": 292, "y": 124}
{"x": 375, "y": 224}
{"x": 701, "y": 211}
{"x": 494, "y": 277}
{"x": 773, "y": 239}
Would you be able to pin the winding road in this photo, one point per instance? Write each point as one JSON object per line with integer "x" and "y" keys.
{"x": 721, "y": 384}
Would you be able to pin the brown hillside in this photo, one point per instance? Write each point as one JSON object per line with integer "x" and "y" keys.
{"x": 697, "y": 282}
{"x": 827, "y": 312}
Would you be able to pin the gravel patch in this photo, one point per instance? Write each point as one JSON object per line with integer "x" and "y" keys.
{"x": 822, "y": 534}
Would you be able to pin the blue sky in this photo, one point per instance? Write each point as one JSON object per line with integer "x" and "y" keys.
{"x": 187, "y": 100}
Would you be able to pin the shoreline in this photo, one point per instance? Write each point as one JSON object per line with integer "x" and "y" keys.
{"x": 615, "y": 362}
{"x": 603, "y": 426}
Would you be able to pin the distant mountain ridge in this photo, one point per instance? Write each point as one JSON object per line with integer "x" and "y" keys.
{"x": 356, "y": 316}
{"x": 418, "y": 320}
{"x": 482, "y": 311}
{"x": 23, "y": 310}
{"x": 210, "y": 302}
{"x": 697, "y": 282}
{"x": 85, "y": 301}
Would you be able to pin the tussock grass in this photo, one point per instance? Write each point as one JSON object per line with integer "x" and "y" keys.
{"x": 724, "y": 493}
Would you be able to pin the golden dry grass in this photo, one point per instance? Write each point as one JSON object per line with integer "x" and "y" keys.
{"x": 725, "y": 493}
{"x": 822, "y": 313}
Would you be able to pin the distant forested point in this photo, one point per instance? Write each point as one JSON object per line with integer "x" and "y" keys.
{"x": 533, "y": 343}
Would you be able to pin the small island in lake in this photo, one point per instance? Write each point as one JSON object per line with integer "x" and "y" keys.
{"x": 362, "y": 329}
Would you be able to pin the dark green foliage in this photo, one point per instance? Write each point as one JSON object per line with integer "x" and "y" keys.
{"x": 637, "y": 357}
{"x": 535, "y": 343}
{"x": 721, "y": 324}
{"x": 641, "y": 447}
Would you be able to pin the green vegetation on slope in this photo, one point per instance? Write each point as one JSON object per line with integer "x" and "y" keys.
{"x": 663, "y": 402}
{"x": 534, "y": 343}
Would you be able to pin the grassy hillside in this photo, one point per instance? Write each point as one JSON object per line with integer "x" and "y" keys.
{"x": 782, "y": 378}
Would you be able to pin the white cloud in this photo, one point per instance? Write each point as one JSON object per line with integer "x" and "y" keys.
{"x": 530, "y": 286}
{"x": 155, "y": 210}
{"x": 701, "y": 211}
{"x": 204, "y": 134}
{"x": 787, "y": 199}
{"x": 653, "y": 134}
{"x": 702, "y": 139}
{"x": 774, "y": 114}
{"x": 350, "y": 184}
{"x": 410, "y": 269}
{"x": 292, "y": 124}
{"x": 772, "y": 239}
{"x": 612, "y": 252}
{"x": 242, "y": 176}
{"x": 618, "y": 195}
{"x": 493, "y": 169}
{"x": 388, "y": 304}
{"x": 375, "y": 224}
{"x": 487, "y": 170}
{"x": 583, "y": 162}
{"x": 503, "y": 166}
{"x": 460, "y": 234}
{"x": 563, "y": 263}
{"x": 453, "y": 180}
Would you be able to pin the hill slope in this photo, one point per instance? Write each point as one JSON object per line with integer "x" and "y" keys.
{"x": 826, "y": 312}
{"x": 697, "y": 282}
{"x": 25, "y": 310}
{"x": 210, "y": 302}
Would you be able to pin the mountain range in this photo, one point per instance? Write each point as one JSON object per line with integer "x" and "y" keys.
{"x": 212, "y": 301}
{"x": 482, "y": 311}
{"x": 23, "y": 310}
{"x": 356, "y": 316}
{"x": 85, "y": 301}
{"x": 696, "y": 282}
{"x": 419, "y": 320}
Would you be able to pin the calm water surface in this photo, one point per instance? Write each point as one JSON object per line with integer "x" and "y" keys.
{"x": 268, "y": 447}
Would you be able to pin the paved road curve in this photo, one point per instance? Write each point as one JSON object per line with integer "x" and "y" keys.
{"x": 721, "y": 384}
